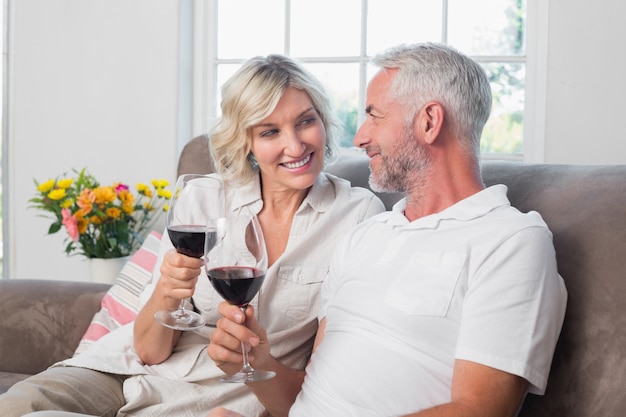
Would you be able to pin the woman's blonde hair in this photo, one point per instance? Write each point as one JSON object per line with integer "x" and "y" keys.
{"x": 251, "y": 95}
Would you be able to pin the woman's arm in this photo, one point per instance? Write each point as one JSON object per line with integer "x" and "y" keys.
{"x": 154, "y": 342}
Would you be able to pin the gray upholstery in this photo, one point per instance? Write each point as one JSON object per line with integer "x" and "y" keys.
{"x": 585, "y": 207}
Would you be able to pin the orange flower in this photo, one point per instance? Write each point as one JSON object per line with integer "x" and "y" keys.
{"x": 85, "y": 201}
{"x": 113, "y": 213}
{"x": 104, "y": 195}
{"x": 81, "y": 222}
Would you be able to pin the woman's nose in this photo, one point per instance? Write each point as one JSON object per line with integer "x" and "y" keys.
{"x": 293, "y": 144}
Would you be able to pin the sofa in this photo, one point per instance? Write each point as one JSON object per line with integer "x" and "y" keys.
{"x": 42, "y": 322}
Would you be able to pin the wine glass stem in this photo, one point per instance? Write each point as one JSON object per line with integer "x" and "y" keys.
{"x": 182, "y": 311}
{"x": 246, "y": 363}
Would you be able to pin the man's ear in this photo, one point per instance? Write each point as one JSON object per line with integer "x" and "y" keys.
{"x": 429, "y": 122}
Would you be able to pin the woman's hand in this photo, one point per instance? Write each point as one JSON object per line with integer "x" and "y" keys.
{"x": 231, "y": 330}
{"x": 154, "y": 343}
{"x": 179, "y": 275}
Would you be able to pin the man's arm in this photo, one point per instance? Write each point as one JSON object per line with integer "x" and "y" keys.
{"x": 478, "y": 390}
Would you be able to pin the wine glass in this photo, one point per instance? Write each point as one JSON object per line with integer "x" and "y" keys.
{"x": 236, "y": 263}
{"x": 196, "y": 199}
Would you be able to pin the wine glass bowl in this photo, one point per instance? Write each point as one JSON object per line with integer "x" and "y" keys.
{"x": 236, "y": 265}
{"x": 195, "y": 200}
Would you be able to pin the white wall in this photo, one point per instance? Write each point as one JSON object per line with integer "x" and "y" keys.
{"x": 94, "y": 83}
{"x": 586, "y": 82}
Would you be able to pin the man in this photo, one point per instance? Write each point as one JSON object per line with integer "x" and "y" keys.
{"x": 450, "y": 304}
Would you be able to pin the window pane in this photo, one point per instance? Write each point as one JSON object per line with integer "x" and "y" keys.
{"x": 392, "y": 22}
{"x": 487, "y": 27}
{"x": 504, "y": 130}
{"x": 325, "y": 28}
{"x": 258, "y": 31}
{"x": 342, "y": 85}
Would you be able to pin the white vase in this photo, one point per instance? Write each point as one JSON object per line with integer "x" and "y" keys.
{"x": 106, "y": 270}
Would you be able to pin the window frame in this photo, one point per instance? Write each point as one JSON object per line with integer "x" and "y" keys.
{"x": 204, "y": 64}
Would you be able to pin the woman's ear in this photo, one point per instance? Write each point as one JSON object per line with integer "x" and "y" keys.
{"x": 429, "y": 122}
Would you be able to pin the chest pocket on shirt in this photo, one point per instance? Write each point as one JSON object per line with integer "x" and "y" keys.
{"x": 425, "y": 285}
{"x": 299, "y": 289}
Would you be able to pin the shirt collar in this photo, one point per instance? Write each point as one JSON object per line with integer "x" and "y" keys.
{"x": 472, "y": 207}
{"x": 320, "y": 197}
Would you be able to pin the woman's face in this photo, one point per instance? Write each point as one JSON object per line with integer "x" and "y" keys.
{"x": 289, "y": 144}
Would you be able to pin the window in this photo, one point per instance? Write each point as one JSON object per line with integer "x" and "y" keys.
{"x": 336, "y": 39}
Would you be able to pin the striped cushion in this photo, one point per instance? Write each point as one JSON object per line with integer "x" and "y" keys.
{"x": 120, "y": 304}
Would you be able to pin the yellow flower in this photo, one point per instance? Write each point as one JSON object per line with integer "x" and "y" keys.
{"x": 67, "y": 203}
{"x": 164, "y": 193}
{"x": 44, "y": 187}
{"x": 160, "y": 183}
{"x": 166, "y": 207}
{"x": 57, "y": 194}
{"x": 65, "y": 183}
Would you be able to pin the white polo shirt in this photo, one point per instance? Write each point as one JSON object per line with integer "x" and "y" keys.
{"x": 403, "y": 300}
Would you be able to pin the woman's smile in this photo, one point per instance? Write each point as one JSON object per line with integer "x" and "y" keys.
{"x": 298, "y": 164}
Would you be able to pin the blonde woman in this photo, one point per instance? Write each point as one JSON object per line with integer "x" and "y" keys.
{"x": 270, "y": 145}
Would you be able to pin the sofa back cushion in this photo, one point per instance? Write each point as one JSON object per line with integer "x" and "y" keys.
{"x": 585, "y": 208}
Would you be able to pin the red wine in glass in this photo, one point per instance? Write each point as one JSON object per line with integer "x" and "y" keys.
{"x": 237, "y": 285}
{"x": 236, "y": 266}
{"x": 190, "y": 239}
{"x": 195, "y": 201}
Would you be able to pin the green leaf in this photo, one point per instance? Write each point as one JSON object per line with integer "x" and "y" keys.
{"x": 54, "y": 227}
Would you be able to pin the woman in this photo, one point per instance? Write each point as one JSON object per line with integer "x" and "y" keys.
{"x": 275, "y": 135}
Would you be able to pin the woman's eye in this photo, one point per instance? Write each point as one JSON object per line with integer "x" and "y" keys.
{"x": 307, "y": 121}
{"x": 268, "y": 133}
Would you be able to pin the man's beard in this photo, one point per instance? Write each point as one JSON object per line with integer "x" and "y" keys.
{"x": 405, "y": 167}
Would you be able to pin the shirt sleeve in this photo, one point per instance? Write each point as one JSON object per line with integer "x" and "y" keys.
{"x": 514, "y": 308}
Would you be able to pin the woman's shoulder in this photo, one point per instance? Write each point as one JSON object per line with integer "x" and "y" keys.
{"x": 345, "y": 191}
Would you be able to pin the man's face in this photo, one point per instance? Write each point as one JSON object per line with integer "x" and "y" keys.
{"x": 398, "y": 161}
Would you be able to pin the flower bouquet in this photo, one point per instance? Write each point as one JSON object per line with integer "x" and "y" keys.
{"x": 101, "y": 221}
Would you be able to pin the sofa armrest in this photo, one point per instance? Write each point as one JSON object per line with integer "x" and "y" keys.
{"x": 42, "y": 321}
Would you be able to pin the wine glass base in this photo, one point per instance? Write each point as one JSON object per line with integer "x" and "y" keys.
{"x": 176, "y": 320}
{"x": 251, "y": 376}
